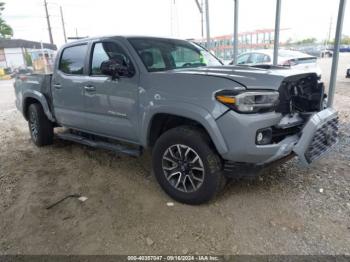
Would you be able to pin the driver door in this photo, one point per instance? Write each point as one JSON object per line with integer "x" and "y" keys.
{"x": 111, "y": 105}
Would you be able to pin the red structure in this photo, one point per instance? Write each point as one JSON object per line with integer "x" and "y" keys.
{"x": 258, "y": 39}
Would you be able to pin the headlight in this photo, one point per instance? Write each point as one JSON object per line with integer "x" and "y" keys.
{"x": 249, "y": 101}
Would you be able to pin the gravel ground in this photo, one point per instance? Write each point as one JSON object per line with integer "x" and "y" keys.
{"x": 287, "y": 210}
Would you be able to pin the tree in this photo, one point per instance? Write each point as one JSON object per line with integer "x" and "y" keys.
{"x": 310, "y": 40}
{"x": 345, "y": 40}
{"x": 5, "y": 29}
{"x": 28, "y": 58}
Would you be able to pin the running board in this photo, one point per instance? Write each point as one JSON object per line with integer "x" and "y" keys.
{"x": 118, "y": 148}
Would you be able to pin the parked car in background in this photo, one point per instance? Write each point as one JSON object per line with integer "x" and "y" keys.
{"x": 286, "y": 58}
{"x": 318, "y": 51}
{"x": 344, "y": 48}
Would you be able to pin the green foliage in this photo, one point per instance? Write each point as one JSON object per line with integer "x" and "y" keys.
{"x": 28, "y": 58}
{"x": 5, "y": 29}
{"x": 311, "y": 40}
{"x": 345, "y": 40}
{"x": 2, "y": 7}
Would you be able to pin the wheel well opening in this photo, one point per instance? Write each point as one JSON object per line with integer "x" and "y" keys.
{"x": 27, "y": 103}
{"x": 163, "y": 122}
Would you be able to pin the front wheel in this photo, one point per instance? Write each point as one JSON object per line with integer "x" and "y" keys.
{"x": 186, "y": 166}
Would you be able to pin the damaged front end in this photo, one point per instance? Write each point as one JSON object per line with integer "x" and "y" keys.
{"x": 306, "y": 128}
{"x": 302, "y": 104}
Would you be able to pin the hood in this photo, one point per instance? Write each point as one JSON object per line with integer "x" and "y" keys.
{"x": 249, "y": 77}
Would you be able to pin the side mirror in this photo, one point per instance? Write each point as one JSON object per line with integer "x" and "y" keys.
{"x": 114, "y": 68}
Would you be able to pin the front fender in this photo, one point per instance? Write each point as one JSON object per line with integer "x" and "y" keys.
{"x": 186, "y": 110}
{"x": 42, "y": 100}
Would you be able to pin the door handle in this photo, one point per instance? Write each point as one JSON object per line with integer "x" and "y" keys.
{"x": 89, "y": 88}
{"x": 57, "y": 86}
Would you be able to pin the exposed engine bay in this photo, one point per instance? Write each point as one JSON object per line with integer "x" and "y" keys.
{"x": 301, "y": 94}
{"x": 300, "y": 97}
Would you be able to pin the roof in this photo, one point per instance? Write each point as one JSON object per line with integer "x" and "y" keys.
{"x": 21, "y": 43}
{"x": 106, "y": 37}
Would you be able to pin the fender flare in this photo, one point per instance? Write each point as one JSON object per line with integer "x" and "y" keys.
{"x": 185, "y": 110}
{"x": 41, "y": 99}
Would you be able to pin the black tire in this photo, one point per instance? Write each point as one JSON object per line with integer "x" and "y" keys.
{"x": 40, "y": 127}
{"x": 195, "y": 142}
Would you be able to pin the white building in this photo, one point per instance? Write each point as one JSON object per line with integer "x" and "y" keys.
{"x": 15, "y": 53}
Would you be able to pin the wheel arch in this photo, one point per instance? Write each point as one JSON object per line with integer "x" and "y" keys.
{"x": 165, "y": 118}
{"x": 33, "y": 96}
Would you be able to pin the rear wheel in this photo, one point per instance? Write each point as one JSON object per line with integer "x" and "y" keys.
{"x": 186, "y": 166}
{"x": 40, "y": 127}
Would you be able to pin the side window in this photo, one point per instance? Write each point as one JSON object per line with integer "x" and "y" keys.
{"x": 153, "y": 59}
{"x": 256, "y": 58}
{"x": 243, "y": 59}
{"x": 266, "y": 59}
{"x": 185, "y": 56}
{"x": 105, "y": 51}
{"x": 72, "y": 60}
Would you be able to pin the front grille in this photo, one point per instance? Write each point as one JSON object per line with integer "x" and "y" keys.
{"x": 324, "y": 139}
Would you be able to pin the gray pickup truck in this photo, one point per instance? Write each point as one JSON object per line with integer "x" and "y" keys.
{"x": 202, "y": 121}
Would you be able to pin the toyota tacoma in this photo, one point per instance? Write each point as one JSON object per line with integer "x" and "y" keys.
{"x": 201, "y": 120}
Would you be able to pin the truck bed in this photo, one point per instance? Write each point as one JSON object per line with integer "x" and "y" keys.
{"x": 38, "y": 82}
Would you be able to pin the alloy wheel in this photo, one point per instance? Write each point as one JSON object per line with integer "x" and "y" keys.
{"x": 34, "y": 128}
{"x": 183, "y": 168}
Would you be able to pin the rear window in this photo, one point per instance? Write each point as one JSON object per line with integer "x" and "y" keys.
{"x": 72, "y": 60}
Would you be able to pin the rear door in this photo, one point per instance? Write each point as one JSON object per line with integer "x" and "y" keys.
{"x": 111, "y": 105}
{"x": 68, "y": 84}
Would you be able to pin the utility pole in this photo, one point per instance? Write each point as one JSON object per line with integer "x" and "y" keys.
{"x": 329, "y": 31}
{"x": 48, "y": 22}
{"x": 63, "y": 26}
{"x": 207, "y": 24}
{"x": 277, "y": 32}
{"x": 335, "y": 58}
{"x": 202, "y": 19}
{"x": 200, "y": 8}
{"x": 235, "y": 33}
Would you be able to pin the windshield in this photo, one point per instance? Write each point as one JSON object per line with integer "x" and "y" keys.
{"x": 167, "y": 54}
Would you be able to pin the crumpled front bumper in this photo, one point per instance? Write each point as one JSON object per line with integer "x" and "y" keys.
{"x": 318, "y": 136}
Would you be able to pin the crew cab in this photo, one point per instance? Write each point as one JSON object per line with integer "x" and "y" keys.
{"x": 201, "y": 120}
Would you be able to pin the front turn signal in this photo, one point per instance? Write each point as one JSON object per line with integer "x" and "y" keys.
{"x": 226, "y": 99}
